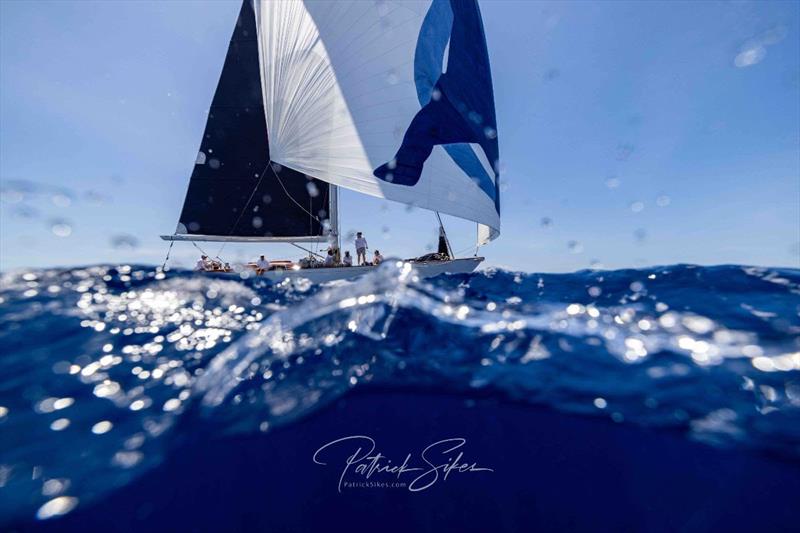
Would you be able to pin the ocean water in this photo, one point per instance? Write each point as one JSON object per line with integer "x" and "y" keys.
{"x": 135, "y": 399}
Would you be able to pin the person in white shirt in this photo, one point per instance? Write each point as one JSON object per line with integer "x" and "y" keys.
{"x": 202, "y": 264}
{"x": 347, "y": 260}
{"x": 378, "y": 259}
{"x": 262, "y": 265}
{"x": 329, "y": 259}
{"x": 361, "y": 249}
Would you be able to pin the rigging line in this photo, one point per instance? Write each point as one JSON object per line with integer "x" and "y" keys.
{"x": 250, "y": 199}
{"x": 291, "y": 198}
{"x": 169, "y": 250}
{"x": 203, "y": 252}
{"x": 246, "y": 204}
{"x": 459, "y": 252}
{"x": 306, "y": 250}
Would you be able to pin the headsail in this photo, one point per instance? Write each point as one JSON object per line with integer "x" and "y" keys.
{"x": 235, "y": 193}
{"x": 391, "y": 98}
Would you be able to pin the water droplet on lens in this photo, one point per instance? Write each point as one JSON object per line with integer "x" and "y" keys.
{"x": 61, "y": 200}
{"x": 663, "y": 200}
{"x": 546, "y": 222}
{"x": 214, "y": 163}
{"x": 60, "y": 228}
{"x": 102, "y": 427}
{"x": 257, "y": 222}
{"x": 57, "y": 507}
{"x": 53, "y": 487}
{"x": 59, "y": 424}
{"x": 637, "y": 207}
{"x": 313, "y": 191}
{"x": 127, "y": 459}
{"x": 600, "y": 403}
{"x": 750, "y": 54}
{"x": 475, "y": 117}
{"x": 574, "y": 247}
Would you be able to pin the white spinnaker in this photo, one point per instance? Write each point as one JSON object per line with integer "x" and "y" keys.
{"x": 339, "y": 94}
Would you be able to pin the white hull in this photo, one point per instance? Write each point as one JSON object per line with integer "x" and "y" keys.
{"x": 424, "y": 270}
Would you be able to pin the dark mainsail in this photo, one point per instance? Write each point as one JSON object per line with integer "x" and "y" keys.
{"x": 235, "y": 193}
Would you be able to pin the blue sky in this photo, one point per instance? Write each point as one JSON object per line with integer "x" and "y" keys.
{"x": 643, "y": 132}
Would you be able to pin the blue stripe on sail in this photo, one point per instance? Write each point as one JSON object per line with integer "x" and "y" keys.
{"x": 433, "y": 38}
{"x": 465, "y": 157}
{"x": 457, "y": 105}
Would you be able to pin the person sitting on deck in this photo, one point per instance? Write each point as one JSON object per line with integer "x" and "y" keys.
{"x": 378, "y": 259}
{"x": 361, "y": 249}
{"x": 202, "y": 264}
{"x": 262, "y": 265}
{"x": 347, "y": 260}
{"x": 329, "y": 259}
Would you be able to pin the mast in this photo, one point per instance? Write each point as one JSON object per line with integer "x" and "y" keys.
{"x": 333, "y": 219}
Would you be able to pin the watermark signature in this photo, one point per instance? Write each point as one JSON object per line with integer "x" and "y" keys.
{"x": 436, "y": 462}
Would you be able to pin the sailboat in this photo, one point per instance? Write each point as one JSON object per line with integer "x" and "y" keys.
{"x": 388, "y": 98}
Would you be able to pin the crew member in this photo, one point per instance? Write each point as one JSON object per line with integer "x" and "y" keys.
{"x": 262, "y": 265}
{"x": 202, "y": 264}
{"x": 361, "y": 249}
{"x": 329, "y": 259}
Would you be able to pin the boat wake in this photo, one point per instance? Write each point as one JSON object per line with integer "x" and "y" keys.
{"x": 106, "y": 369}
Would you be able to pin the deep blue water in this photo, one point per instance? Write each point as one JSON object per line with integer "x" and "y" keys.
{"x": 658, "y": 399}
